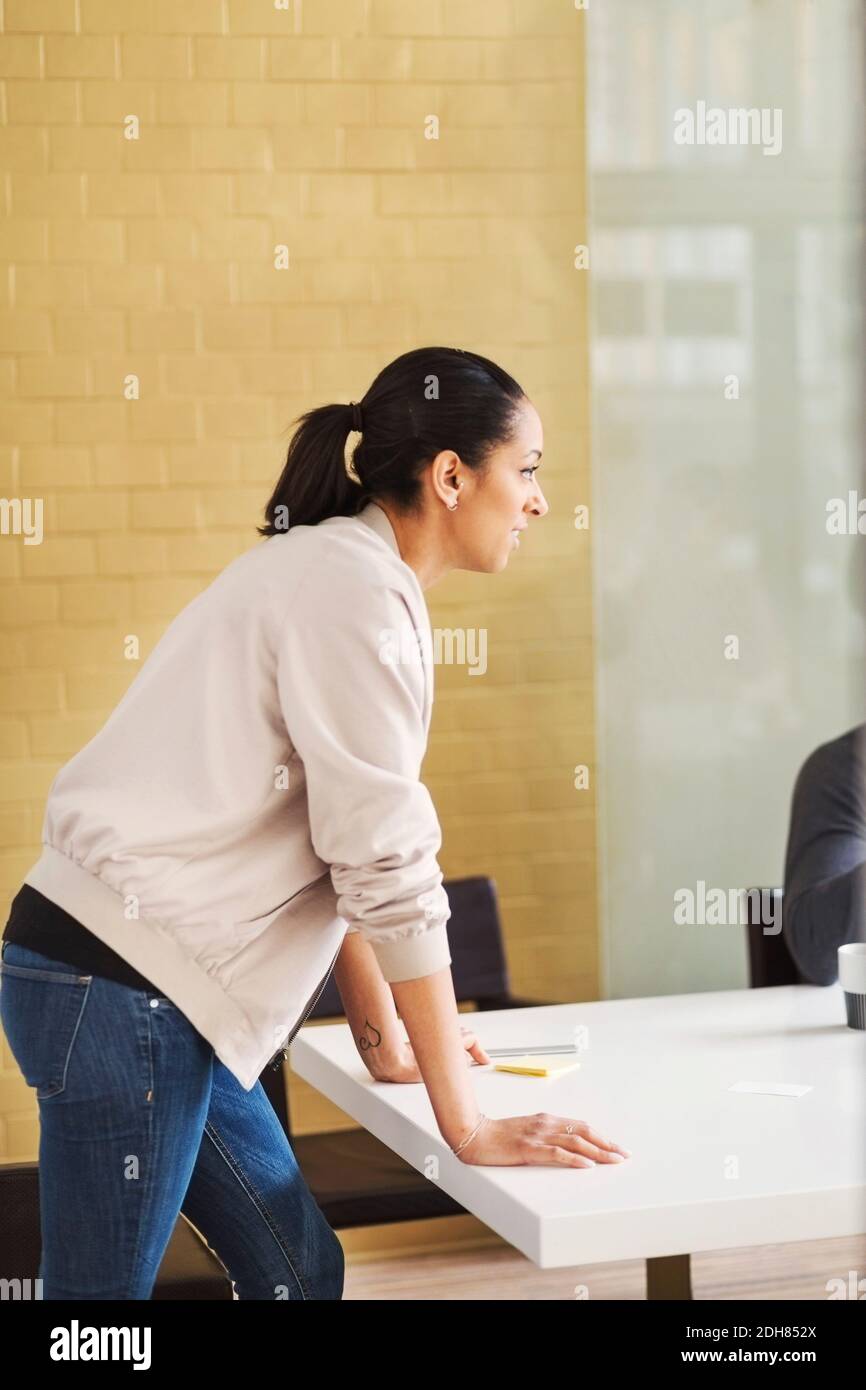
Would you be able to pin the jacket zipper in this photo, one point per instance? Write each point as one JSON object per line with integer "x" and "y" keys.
{"x": 282, "y": 1053}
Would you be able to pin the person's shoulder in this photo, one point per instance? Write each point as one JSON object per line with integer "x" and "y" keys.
{"x": 851, "y": 744}
{"x": 355, "y": 539}
{"x": 344, "y": 540}
{"x": 340, "y": 564}
{"x": 834, "y": 760}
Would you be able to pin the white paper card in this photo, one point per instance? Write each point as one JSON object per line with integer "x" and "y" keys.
{"x": 770, "y": 1088}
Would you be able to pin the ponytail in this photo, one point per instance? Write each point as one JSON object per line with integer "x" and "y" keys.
{"x": 314, "y": 483}
{"x": 425, "y": 401}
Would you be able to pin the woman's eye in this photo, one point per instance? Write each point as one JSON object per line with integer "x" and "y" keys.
{"x": 530, "y": 469}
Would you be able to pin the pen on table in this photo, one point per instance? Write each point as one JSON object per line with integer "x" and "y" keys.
{"x": 554, "y": 1048}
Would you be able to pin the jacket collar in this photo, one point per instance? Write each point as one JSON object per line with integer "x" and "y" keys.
{"x": 377, "y": 519}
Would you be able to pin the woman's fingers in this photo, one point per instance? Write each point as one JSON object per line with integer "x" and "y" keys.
{"x": 473, "y": 1047}
{"x": 591, "y": 1137}
{"x": 567, "y": 1157}
{"x": 575, "y": 1143}
{"x": 574, "y": 1137}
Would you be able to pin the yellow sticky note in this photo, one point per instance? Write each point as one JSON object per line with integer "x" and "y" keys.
{"x": 553, "y": 1065}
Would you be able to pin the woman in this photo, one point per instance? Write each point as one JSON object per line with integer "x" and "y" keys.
{"x": 249, "y": 817}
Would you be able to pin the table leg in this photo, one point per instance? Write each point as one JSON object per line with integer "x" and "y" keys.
{"x": 669, "y": 1276}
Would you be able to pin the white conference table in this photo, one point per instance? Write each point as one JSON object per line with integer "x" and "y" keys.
{"x": 710, "y": 1168}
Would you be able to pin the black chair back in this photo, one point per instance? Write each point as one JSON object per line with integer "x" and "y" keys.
{"x": 770, "y": 961}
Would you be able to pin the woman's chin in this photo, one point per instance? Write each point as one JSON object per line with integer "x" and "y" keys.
{"x": 489, "y": 561}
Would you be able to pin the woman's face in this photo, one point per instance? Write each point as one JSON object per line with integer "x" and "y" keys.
{"x": 494, "y": 507}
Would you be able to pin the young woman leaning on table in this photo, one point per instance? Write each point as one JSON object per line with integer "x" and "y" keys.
{"x": 250, "y": 816}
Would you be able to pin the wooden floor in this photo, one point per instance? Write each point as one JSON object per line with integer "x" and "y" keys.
{"x": 492, "y": 1270}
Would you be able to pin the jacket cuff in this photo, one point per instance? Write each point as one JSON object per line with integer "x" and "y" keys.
{"x": 411, "y": 957}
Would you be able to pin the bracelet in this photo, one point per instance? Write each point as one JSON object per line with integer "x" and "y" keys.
{"x": 470, "y": 1137}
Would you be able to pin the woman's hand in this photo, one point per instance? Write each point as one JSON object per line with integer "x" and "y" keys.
{"x": 540, "y": 1139}
{"x": 427, "y": 1006}
{"x": 406, "y": 1070}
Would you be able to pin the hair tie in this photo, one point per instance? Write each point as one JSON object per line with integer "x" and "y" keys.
{"x": 357, "y": 422}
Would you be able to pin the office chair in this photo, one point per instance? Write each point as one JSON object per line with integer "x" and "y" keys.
{"x": 770, "y": 961}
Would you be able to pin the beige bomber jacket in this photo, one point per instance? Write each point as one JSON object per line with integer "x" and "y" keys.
{"x": 256, "y": 792}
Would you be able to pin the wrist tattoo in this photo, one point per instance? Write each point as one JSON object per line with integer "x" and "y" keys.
{"x": 366, "y": 1042}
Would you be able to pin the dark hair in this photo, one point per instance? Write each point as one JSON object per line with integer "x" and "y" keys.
{"x": 425, "y": 400}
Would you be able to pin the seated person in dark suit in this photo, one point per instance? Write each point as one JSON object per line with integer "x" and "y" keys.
{"x": 824, "y": 904}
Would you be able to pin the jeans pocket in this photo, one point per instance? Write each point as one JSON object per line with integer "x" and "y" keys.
{"x": 41, "y": 1011}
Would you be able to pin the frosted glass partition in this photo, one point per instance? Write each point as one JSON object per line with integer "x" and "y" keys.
{"x": 727, "y": 386}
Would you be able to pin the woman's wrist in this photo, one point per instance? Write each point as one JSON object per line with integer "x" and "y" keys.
{"x": 369, "y": 1007}
{"x": 459, "y": 1144}
{"x": 384, "y": 1065}
{"x": 428, "y": 1009}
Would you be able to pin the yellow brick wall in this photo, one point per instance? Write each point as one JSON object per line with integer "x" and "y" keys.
{"x": 301, "y": 125}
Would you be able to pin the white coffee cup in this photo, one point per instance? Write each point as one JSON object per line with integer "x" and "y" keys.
{"x": 852, "y": 978}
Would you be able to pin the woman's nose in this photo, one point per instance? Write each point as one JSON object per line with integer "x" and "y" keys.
{"x": 539, "y": 505}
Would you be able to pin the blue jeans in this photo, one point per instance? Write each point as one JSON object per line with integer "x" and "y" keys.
{"x": 139, "y": 1121}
